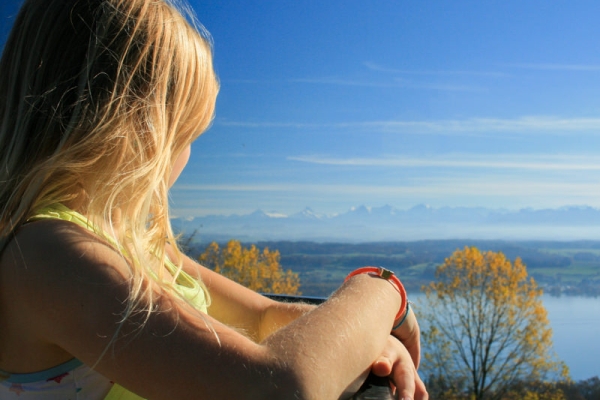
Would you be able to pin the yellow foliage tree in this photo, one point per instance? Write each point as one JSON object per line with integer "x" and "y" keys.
{"x": 259, "y": 271}
{"x": 486, "y": 327}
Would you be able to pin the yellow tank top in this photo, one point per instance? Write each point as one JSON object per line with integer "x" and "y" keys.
{"x": 187, "y": 286}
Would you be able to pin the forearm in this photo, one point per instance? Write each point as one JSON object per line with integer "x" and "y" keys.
{"x": 341, "y": 338}
{"x": 278, "y": 315}
{"x": 231, "y": 303}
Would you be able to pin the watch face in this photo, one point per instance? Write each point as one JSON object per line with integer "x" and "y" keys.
{"x": 385, "y": 273}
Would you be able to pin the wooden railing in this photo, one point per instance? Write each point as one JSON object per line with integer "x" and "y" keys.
{"x": 375, "y": 387}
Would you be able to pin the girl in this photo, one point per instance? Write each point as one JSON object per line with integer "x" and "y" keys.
{"x": 99, "y": 103}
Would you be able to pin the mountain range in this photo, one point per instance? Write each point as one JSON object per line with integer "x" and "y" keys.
{"x": 387, "y": 223}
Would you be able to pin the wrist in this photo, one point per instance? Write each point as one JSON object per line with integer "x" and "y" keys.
{"x": 399, "y": 321}
{"x": 392, "y": 279}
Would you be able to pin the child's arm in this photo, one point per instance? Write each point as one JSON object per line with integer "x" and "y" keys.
{"x": 71, "y": 289}
{"x": 240, "y": 307}
{"x": 259, "y": 316}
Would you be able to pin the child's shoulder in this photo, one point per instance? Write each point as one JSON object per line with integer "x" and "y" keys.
{"x": 53, "y": 256}
{"x": 54, "y": 276}
{"x": 54, "y": 242}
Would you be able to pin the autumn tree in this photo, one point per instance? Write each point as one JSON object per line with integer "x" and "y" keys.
{"x": 485, "y": 326}
{"x": 536, "y": 391}
{"x": 255, "y": 269}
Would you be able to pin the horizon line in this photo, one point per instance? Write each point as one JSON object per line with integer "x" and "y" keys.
{"x": 276, "y": 214}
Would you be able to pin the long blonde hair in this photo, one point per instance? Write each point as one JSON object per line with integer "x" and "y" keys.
{"x": 97, "y": 99}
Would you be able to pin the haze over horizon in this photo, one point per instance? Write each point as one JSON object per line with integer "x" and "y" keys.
{"x": 369, "y": 208}
{"x": 386, "y": 223}
{"x": 336, "y": 104}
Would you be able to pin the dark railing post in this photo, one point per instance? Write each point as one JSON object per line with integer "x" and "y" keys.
{"x": 375, "y": 387}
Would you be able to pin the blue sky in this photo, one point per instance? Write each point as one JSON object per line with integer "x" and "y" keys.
{"x": 333, "y": 104}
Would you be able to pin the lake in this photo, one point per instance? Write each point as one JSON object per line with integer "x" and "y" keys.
{"x": 575, "y": 324}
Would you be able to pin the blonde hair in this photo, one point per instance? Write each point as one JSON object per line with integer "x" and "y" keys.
{"x": 97, "y": 100}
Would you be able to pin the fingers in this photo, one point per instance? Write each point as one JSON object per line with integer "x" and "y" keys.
{"x": 420, "y": 392}
{"x": 382, "y": 366}
{"x": 410, "y": 335}
{"x": 396, "y": 363}
{"x": 414, "y": 349}
{"x": 405, "y": 378}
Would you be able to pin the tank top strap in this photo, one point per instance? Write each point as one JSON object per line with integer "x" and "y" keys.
{"x": 118, "y": 392}
{"x": 188, "y": 287}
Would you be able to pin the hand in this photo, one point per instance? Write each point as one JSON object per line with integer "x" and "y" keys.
{"x": 410, "y": 336}
{"x": 396, "y": 363}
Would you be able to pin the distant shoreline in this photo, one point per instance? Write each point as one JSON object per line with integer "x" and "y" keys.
{"x": 567, "y": 268}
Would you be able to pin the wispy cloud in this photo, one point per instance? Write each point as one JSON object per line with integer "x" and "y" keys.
{"x": 394, "y": 83}
{"x": 380, "y": 68}
{"x": 483, "y": 126}
{"x": 250, "y": 187}
{"x": 531, "y": 124}
{"x": 249, "y": 81}
{"x": 493, "y": 161}
{"x": 480, "y": 186}
{"x": 277, "y": 125}
{"x": 515, "y": 187}
{"x": 347, "y": 82}
{"x": 447, "y": 87}
{"x": 556, "y": 67}
{"x": 314, "y": 190}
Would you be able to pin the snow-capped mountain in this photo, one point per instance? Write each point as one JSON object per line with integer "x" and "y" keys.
{"x": 387, "y": 223}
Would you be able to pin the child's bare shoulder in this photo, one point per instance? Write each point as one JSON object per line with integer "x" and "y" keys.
{"x": 57, "y": 246}
{"x": 49, "y": 261}
{"x": 59, "y": 283}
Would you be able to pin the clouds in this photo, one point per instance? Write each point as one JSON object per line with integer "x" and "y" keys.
{"x": 473, "y": 161}
{"x": 349, "y": 82}
{"x": 398, "y": 83}
{"x": 490, "y": 126}
{"x": 380, "y": 68}
{"x": 488, "y": 74}
{"x": 557, "y": 67}
{"x": 479, "y": 186}
{"x": 537, "y": 125}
